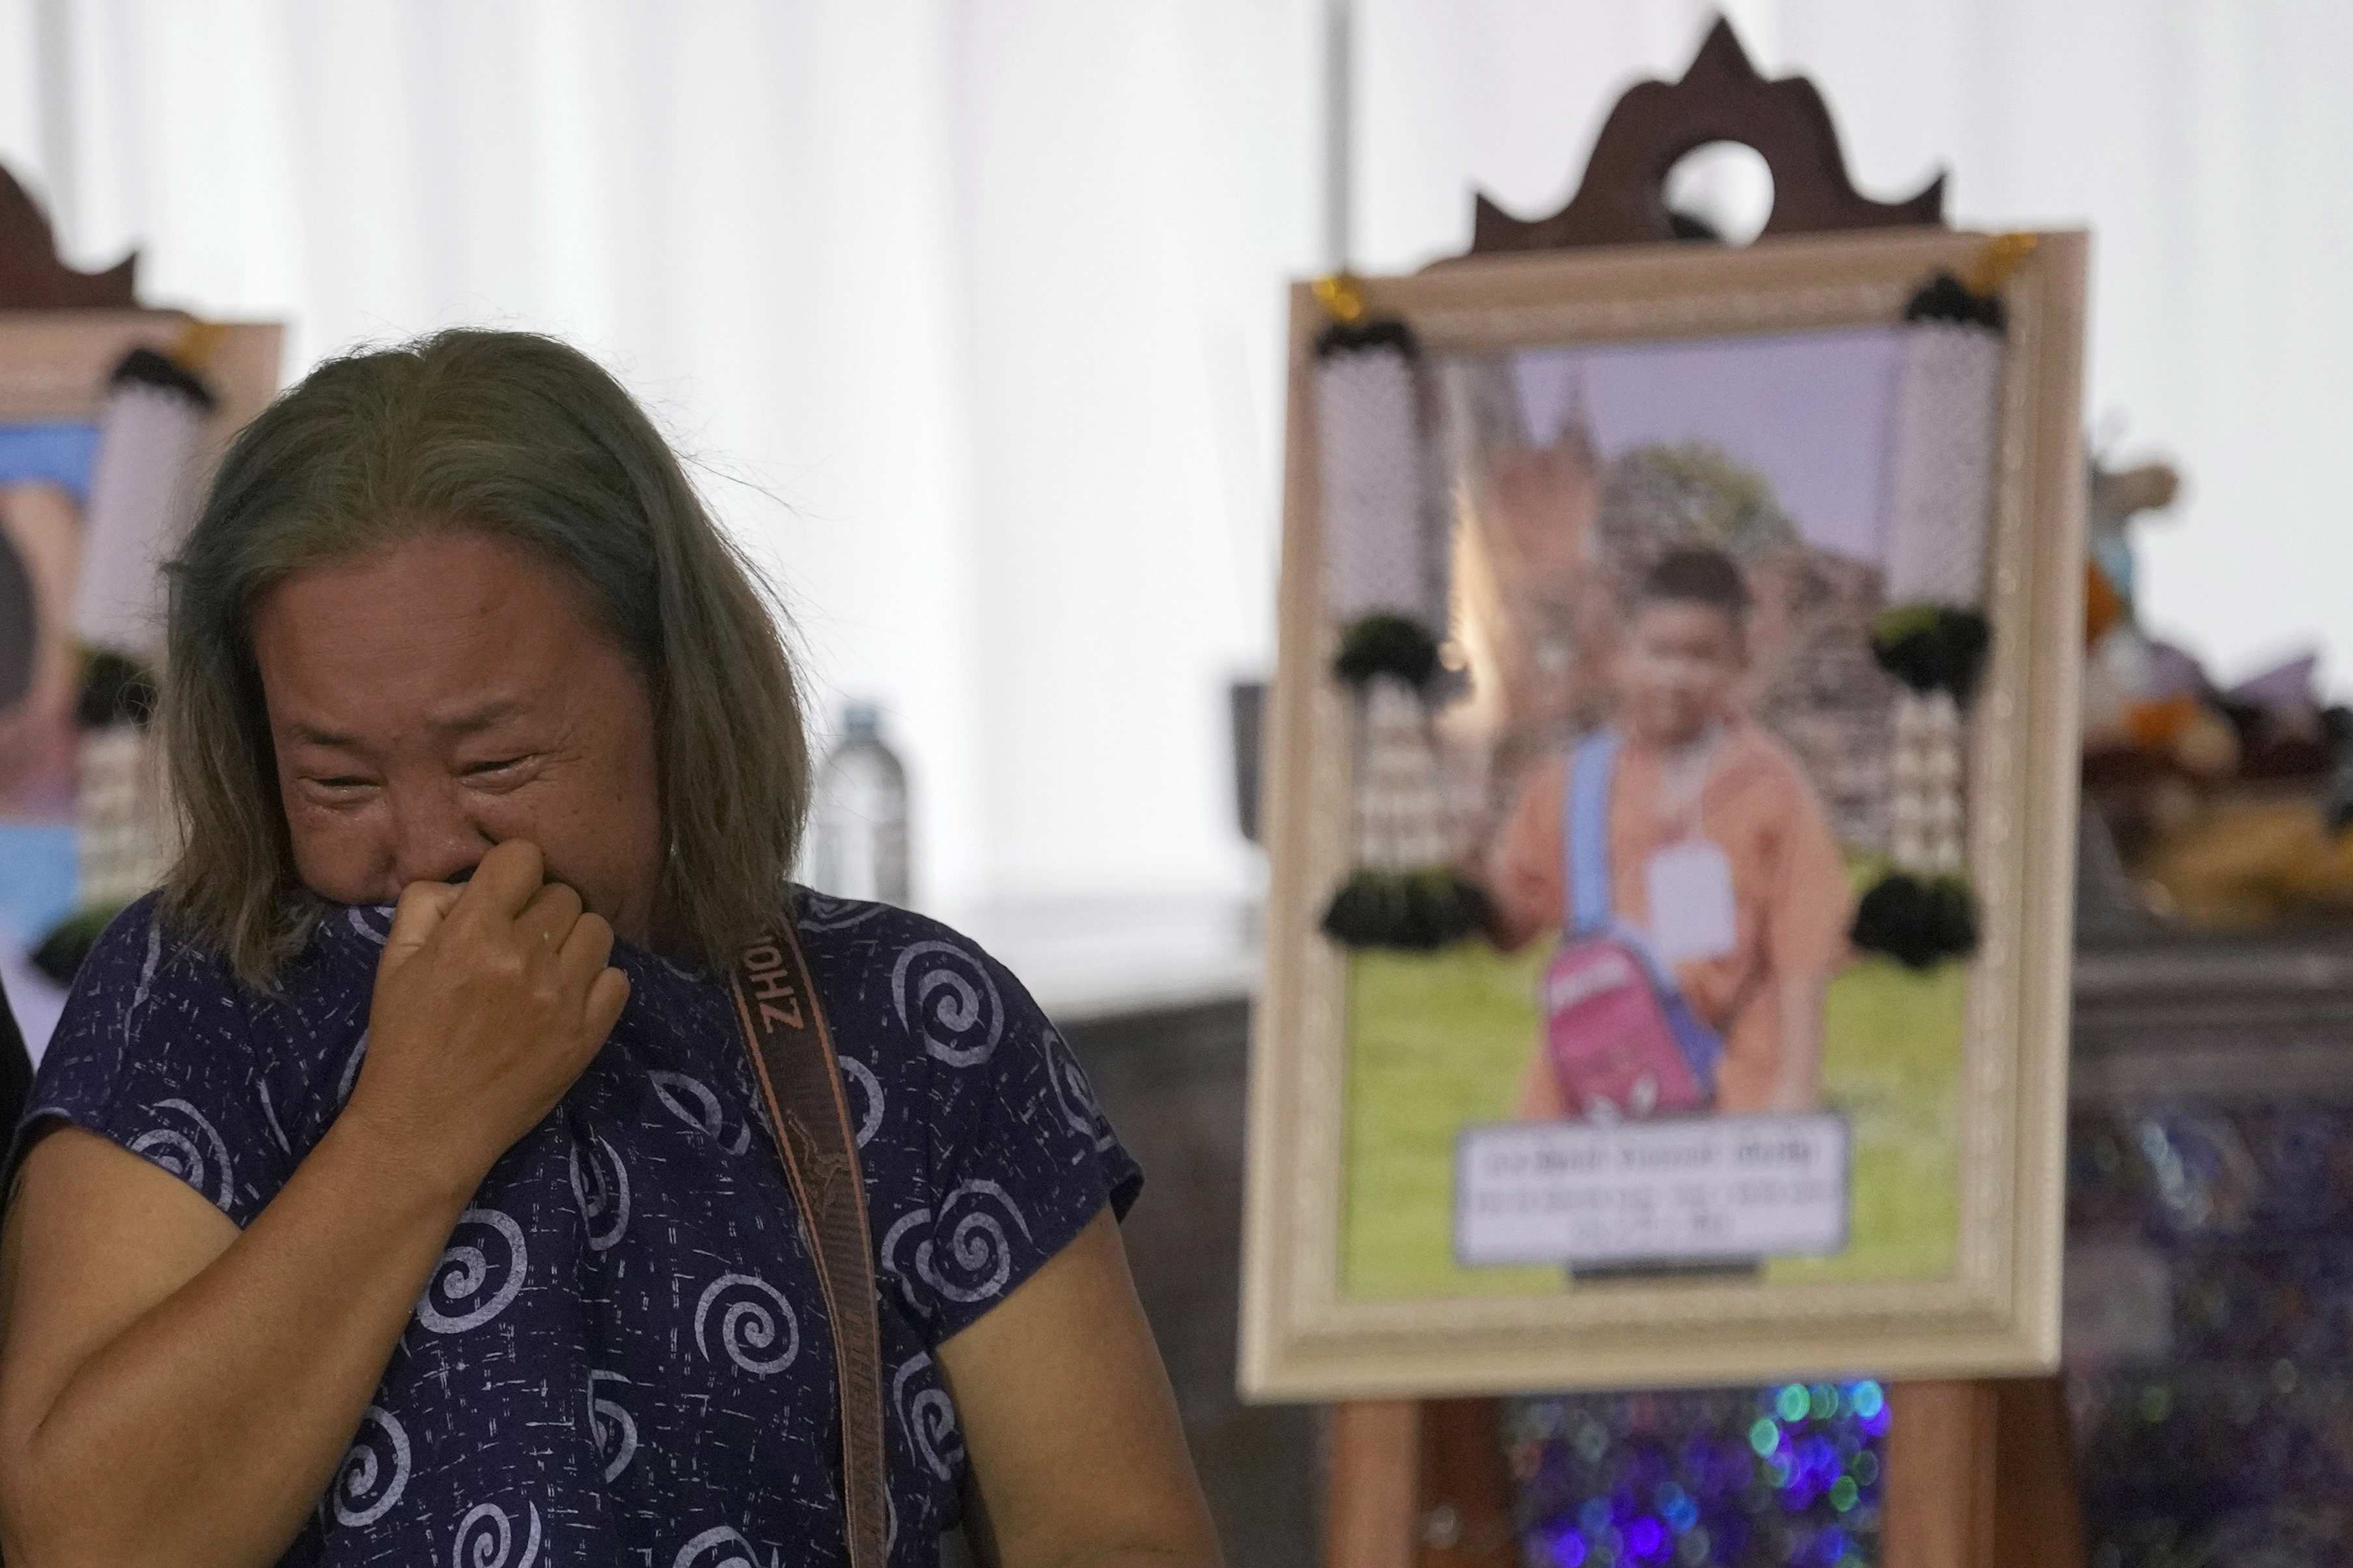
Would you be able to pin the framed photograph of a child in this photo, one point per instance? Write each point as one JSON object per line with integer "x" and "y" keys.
{"x": 1671, "y": 811}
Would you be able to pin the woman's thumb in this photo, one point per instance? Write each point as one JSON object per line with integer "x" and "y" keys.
{"x": 422, "y": 908}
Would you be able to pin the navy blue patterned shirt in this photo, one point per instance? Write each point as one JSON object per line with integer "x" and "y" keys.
{"x": 621, "y": 1357}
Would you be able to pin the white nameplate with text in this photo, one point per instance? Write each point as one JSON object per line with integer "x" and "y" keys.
{"x": 1687, "y": 1190}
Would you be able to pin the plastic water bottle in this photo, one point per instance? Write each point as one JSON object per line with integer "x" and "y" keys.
{"x": 858, "y": 816}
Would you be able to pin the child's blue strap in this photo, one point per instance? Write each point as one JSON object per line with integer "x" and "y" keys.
{"x": 1585, "y": 843}
{"x": 1585, "y": 833}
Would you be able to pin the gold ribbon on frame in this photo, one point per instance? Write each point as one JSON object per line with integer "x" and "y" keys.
{"x": 1342, "y": 295}
{"x": 2002, "y": 257}
{"x": 198, "y": 342}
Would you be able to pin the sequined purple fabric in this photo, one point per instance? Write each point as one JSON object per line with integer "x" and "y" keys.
{"x": 1788, "y": 1474}
{"x": 2211, "y": 1331}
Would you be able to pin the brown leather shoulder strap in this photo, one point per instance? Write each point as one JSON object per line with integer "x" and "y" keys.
{"x": 792, "y": 1056}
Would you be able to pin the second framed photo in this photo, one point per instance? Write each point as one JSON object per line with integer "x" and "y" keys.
{"x": 1671, "y": 765}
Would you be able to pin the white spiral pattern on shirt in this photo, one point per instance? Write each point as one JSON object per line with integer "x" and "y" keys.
{"x": 1074, "y": 1094}
{"x": 929, "y": 1418}
{"x": 600, "y": 1186}
{"x": 978, "y": 1259}
{"x": 869, "y": 1120}
{"x": 975, "y": 1261}
{"x": 367, "y": 1483}
{"x": 269, "y": 1114}
{"x": 748, "y": 1326}
{"x": 492, "y": 1545}
{"x": 610, "y": 1426}
{"x": 147, "y": 967}
{"x": 946, "y": 993}
{"x": 821, "y": 911}
{"x": 456, "y": 1298}
{"x": 723, "y": 1538}
{"x": 351, "y": 1071}
{"x": 179, "y": 1152}
{"x": 694, "y": 1102}
{"x": 904, "y": 1275}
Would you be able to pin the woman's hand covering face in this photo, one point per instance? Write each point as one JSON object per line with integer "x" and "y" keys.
{"x": 446, "y": 694}
{"x": 489, "y": 999}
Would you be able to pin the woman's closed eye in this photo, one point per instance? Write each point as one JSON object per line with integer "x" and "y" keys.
{"x": 498, "y": 768}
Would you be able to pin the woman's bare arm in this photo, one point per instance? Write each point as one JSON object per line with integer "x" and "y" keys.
{"x": 174, "y": 1392}
{"x": 1077, "y": 1455}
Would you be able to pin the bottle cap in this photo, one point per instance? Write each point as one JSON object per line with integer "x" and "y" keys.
{"x": 861, "y": 719}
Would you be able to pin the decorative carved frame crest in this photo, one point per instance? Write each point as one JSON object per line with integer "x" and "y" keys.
{"x": 1722, "y": 98}
{"x": 32, "y": 278}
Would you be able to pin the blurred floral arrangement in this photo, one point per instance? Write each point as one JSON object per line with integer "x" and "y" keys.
{"x": 2226, "y": 807}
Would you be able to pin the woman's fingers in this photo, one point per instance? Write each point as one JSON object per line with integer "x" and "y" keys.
{"x": 510, "y": 874}
{"x": 580, "y": 964}
{"x": 501, "y": 1004}
{"x": 608, "y": 995}
{"x": 549, "y": 918}
{"x": 507, "y": 879}
{"x": 581, "y": 952}
{"x": 423, "y": 907}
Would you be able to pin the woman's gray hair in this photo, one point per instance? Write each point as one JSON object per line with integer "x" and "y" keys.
{"x": 528, "y": 439}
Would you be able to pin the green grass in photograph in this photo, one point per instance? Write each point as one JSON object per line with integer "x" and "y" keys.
{"x": 1438, "y": 1041}
{"x": 1891, "y": 1062}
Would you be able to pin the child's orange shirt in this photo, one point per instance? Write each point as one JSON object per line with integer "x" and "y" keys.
{"x": 1792, "y": 903}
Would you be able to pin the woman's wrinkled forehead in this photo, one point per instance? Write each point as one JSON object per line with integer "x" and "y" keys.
{"x": 362, "y": 550}
{"x": 440, "y": 619}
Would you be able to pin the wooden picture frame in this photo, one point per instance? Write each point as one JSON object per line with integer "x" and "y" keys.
{"x": 53, "y": 364}
{"x": 54, "y": 368}
{"x": 1993, "y": 1309}
{"x": 81, "y": 808}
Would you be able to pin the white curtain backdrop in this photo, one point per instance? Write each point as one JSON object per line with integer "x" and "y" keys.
{"x": 971, "y": 310}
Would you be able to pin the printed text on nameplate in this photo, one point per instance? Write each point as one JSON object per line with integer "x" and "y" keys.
{"x": 1705, "y": 1189}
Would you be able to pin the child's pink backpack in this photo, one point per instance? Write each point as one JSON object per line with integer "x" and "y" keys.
{"x": 1622, "y": 1041}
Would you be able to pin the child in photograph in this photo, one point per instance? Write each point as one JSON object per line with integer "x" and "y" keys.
{"x": 1710, "y": 820}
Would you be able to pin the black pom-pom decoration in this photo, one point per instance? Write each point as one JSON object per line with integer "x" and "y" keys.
{"x": 145, "y": 367}
{"x": 1917, "y": 922}
{"x": 1355, "y": 337}
{"x": 61, "y": 951}
{"x": 1945, "y": 299}
{"x": 1387, "y": 645}
{"x": 1933, "y": 647}
{"x": 1415, "y": 910}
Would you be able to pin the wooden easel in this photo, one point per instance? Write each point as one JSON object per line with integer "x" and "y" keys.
{"x": 1979, "y": 1472}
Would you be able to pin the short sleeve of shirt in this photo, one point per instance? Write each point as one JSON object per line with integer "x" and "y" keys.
{"x": 155, "y": 1052}
{"x": 1019, "y": 1155}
